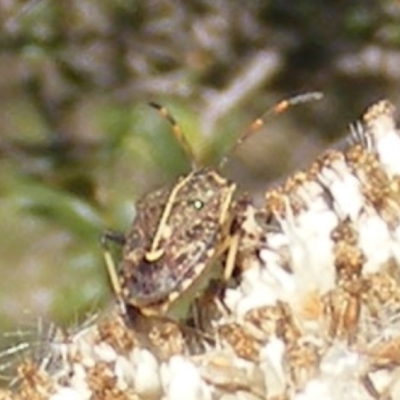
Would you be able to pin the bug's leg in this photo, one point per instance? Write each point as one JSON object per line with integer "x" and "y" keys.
{"x": 231, "y": 256}
{"x": 230, "y": 246}
{"x": 111, "y": 267}
{"x": 214, "y": 292}
{"x": 113, "y": 236}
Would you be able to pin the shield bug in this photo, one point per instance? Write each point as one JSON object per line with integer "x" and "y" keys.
{"x": 184, "y": 235}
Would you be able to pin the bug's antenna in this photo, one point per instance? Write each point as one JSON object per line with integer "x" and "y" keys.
{"x": 277, "y": 109}
{"x": 177, "y": 132}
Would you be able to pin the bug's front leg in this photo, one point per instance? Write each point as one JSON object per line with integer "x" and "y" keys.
{"x": 119, "y": 238}
{"x": 116, "y": 237}
{"x": 230, "y": 262}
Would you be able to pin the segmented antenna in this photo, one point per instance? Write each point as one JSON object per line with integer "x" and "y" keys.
{"x": 177, "y": 132}
{"x": 277, "y": 109}
{"x": 254, "y": 127}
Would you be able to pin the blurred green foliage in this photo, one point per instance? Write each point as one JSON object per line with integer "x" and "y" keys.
{"x": 78, "y": 144}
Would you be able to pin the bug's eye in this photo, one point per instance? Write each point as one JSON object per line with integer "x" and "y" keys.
{"x": 197, "y": 204}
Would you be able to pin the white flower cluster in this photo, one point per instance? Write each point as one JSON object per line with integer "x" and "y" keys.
{"x": 312, "y": 314}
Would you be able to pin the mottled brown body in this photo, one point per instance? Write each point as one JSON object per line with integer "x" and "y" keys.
{"x": 176, "y": 240}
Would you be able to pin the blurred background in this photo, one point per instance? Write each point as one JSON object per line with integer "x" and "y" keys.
{"x": 79, "y": 144}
